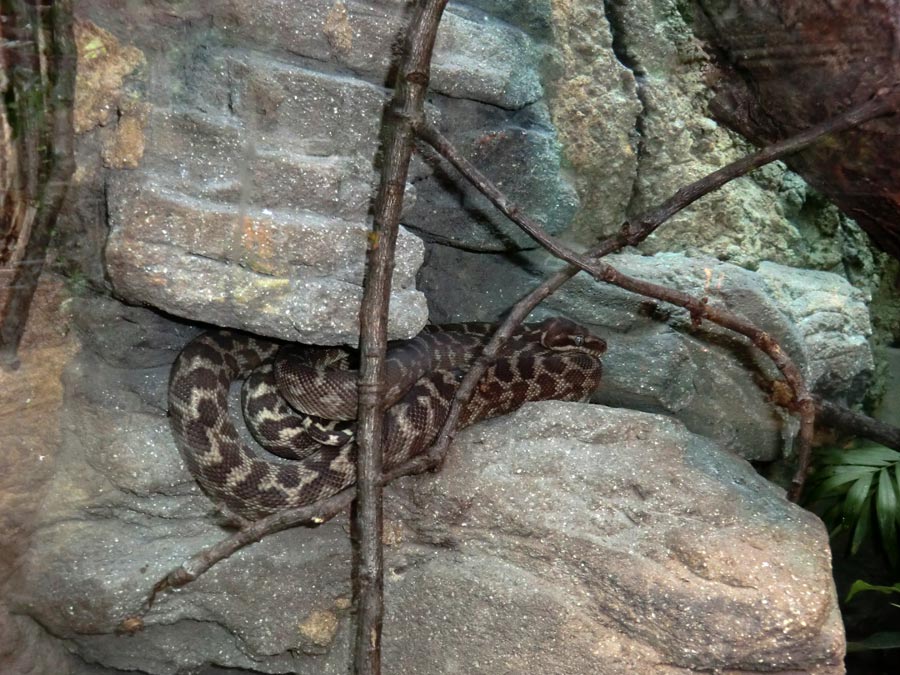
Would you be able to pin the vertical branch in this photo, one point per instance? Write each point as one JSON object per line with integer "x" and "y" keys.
{"x": 406, "y": 106}
{"x": 39, "y": 98}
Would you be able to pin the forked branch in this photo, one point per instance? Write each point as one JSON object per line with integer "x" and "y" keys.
{"x": 883, "y": 103}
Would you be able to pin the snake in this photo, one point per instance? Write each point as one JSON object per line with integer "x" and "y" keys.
{"x": 555, "y": 359}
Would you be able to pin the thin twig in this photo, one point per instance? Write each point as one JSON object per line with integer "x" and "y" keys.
{"x": 408, "y": 105}
{"x": 849, "y": 421}
{"x": 885, "y": 102}
{"x": 202, "y": 561}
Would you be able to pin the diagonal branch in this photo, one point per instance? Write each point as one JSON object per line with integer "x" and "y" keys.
{"x": 199, "y": 563}
{"x": 838, "y": 417}
{"x": 883, "y": 103}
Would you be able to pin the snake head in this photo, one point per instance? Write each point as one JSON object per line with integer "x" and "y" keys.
{"x": 561, "y": 334}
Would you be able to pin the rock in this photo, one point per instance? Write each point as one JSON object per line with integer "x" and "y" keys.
{"x": 833, "y": 321}
{"x": 103, "y": 65}
{"x": 482, "y": 59}
{"x": 569, "y": 539}
{"x": 524, "y": 550}
{"x": 593, "y": 101}
{"x": 253, "y": 149}
{"x": 488, "y": 61}
{"x": 296, "y": 277}
{"x": 253, "y": 232}
{"x": 766, "y": 216}
{"x": 29, "y": 435}
{"x": 518, "y": 152}
{"x": 26, "y": 649}
{"x": 710, "y": 378}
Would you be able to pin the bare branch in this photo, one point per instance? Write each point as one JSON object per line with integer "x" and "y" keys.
{"x": 407, "y": 106}
{"x": 885, "y": 102}
{"x": 838, "y": 417}
{"x": 202, "y": 561}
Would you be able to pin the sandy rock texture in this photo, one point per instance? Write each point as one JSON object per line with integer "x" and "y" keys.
{"x": 30, "y": 437}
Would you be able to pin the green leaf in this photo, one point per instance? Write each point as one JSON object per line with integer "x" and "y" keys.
{"x": 886, "y": 513}
{"x": 834, "y": 478}
{"x": 885, "y": 640}
{"x": 857, "y": 497}
{"x": 897, "y": 478}
{"x": 848, "y": 471}
{"x": 833, "y": 520}
{"x": 859, "y": 586}
{"x": 831, "y": 456}
{"x": 871, "y": 456}
{"x": 862, "y": 526}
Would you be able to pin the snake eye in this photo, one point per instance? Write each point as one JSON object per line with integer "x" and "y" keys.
{"x": 578, "y": 340}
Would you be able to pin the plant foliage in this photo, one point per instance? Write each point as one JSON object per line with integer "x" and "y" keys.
{"x": 880, "y": 640}
{"x": 859, "y": 491}
{"x": 859, "y": 586}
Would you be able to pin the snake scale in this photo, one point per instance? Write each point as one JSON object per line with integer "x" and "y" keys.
{"x": 309, "y": 451}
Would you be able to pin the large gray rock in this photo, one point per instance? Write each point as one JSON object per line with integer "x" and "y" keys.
{"x": 832, "y": 320}
{"x": 564, "y": 538}
{"x": 29, "y": 436}
{"x": 258, "y": 227}
{"x": 567, "y": 538}
{"x": 292, "y": 276}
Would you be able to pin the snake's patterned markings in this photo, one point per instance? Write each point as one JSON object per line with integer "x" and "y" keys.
{"x": 556, "y": 359}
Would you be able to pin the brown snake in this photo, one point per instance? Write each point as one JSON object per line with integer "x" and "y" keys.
{"x": 556, "y": 359}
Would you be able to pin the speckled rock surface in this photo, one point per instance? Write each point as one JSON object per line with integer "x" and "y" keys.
{"x": 525, "y": 551}
{"x": 632, "y": 545}
{"x": 592, "y": 96}
{"x": 771, "y": 215}
{"x": 644, "y": 132}
{"x": 258, "y": 128}
{"x": 30, "y": 404}
{"x": 239, "y": 172}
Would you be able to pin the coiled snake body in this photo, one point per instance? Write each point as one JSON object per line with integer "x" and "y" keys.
{"x": 308, "y": 458}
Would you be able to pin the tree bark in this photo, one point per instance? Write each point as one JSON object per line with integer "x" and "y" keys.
{"x": 406, "y": 107}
